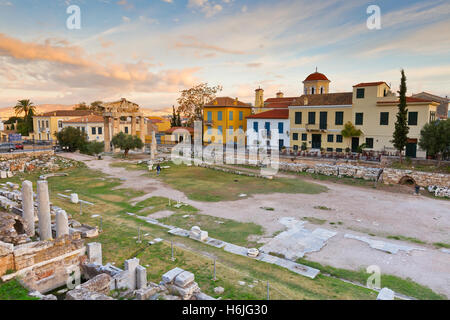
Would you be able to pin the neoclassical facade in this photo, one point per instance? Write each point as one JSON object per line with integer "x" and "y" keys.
{"x": 112, "y": 113}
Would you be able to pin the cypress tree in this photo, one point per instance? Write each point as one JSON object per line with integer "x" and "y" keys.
{"x": 401, "y": 125}
{"x": 173, "y": 119}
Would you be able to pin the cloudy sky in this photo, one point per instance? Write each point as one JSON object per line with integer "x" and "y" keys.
{"x": 149, "y": 50}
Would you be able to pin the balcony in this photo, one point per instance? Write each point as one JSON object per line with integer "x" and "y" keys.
{"x": 316, "y": 127}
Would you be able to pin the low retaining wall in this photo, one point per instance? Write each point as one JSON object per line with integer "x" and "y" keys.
{"x": 42, "y": 265}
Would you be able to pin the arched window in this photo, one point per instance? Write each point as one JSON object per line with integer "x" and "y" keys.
{"x": 312, "y": 90}
{"x": 306, "y": 90}
{"x": 321, "y": 90}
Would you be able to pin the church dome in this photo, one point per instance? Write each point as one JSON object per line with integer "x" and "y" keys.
{"x": 316, "y": 76}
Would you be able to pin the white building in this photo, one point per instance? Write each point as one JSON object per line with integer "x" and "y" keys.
{"x": 92, "y": 125}
{"x": 272, "y": 124}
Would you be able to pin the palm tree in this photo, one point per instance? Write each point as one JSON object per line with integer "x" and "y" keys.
{"x": 26, "y": 107}
{"x": 350, "y": 131}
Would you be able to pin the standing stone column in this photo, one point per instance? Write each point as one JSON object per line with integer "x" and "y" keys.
{"x": 107, "y": 135}
{"x": 143, "y": 132}
{"x": 116, "y": 130}
{"x": 154, "y": 146}
{"x": 28, "y": 207}
{"x": 130, "y": 266}
{"x": 133, "y": 126}
{"x": 62, "y": 224}
{"x": 45, "y": 221}
{"x": 141, "y": 277}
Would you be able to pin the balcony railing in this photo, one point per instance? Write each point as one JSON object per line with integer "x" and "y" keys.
{"x": 316, "y": 127}
{"x": 209, "y": 123}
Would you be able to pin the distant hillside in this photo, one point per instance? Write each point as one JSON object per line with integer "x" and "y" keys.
{"x": 5, "y": 113}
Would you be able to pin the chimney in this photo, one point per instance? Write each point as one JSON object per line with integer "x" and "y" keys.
{"x": 280, "y": 95}
{"x": 305, "y": 101}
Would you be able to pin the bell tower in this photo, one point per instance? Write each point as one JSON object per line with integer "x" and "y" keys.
{"x": 316, "y": 83}
{"x": 259, "y": 100}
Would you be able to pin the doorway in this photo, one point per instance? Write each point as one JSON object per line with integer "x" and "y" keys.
{"x": 355, "y": 144}
{"x": 316, "y": 141}
{"x": 411, "y": 150}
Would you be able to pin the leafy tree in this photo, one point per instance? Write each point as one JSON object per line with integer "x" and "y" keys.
{"x": 350, "y": 131}
{"x": 72, "y": 138}
{"x": 93, "y": 148}
{"x": 126, "y": 142}
{"x": 96, "y": 106}
{"x": 179, "y": 124}
{"x": 401, "y": 126}
{"x": 13, "y": 120}
{"x": 193, "y": 100}
{"x": 81, "y": 106}
{"x": 435, "y": 139}
{"x": 173, "y": 118}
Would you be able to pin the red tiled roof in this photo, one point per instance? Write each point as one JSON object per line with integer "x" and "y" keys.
{"x": 271, "y": 114}
{"x": 277, "y": 105}
{"x": 316, "y": 76}
{"x": 87, "y": 119}
{"x": 369, "y": 84}
{"x": 281, "y": 100}
{"x": 171, "y": 130}
{"x": 408, "y": 99}
{"x": 67, "y": 113}
{"x": 227, "y": 102}
{"x": 328, "y": 99}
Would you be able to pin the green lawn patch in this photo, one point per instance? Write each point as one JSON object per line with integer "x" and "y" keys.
{"x": 13, "y": 290}
{"x": 156, "y": 204}
{"x": 441, "y": 245}
{"x": 403, "y": 286}
{"x": 223, "y": 229}
{"x": 403, "y": 238}
{"x": 203, "y": 184}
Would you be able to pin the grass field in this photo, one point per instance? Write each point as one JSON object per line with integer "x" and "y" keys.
{"x": 120, "y": 234}
{"x": 397, "y": 284}
{"x": 203, "y": 184}
{"x": 13, "y": 290}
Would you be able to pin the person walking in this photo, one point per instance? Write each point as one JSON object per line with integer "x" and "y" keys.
{"x": 158, "y": 169}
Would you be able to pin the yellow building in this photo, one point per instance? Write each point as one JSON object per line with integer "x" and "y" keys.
{"x": 316, "y": 120}
{"x": 92, "y": 126}
{"x": 46, "y": 125}
{"x": 222, "y": 118}
{"x": 375, "y": 110}
{"x": 163, "y": 124}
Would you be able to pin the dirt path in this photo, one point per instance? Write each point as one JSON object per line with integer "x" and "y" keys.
{"x": 359, "y": 211}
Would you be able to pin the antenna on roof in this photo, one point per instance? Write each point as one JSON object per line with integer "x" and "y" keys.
{"x": 316, "y": 69}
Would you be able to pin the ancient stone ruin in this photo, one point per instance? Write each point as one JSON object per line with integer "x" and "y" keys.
{"x": 44, "y": 161}
{"x": 41, "y": 251}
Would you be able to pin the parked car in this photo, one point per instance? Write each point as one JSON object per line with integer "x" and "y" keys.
{"x": 7, "y": 147}
{"x": 19, "y": 146}
{"x": 58, "y": 148}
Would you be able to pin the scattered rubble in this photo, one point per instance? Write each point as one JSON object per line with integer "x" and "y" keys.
{"x": 44, "y": 161}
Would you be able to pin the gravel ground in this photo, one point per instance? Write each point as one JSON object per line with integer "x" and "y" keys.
{"x": 360, "y": 211}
